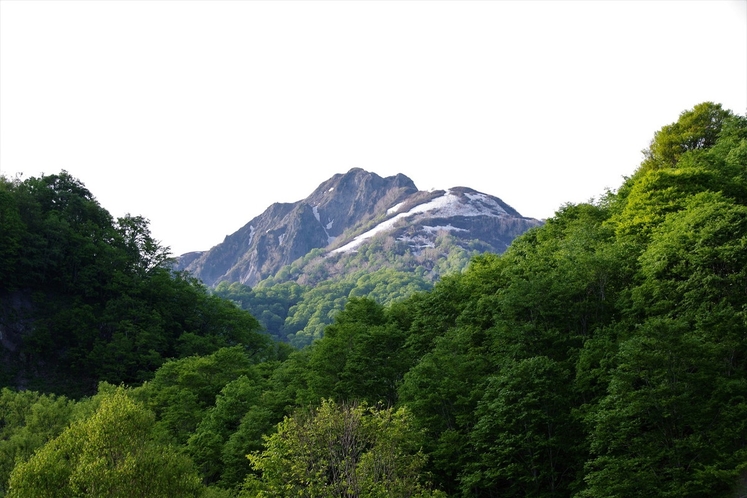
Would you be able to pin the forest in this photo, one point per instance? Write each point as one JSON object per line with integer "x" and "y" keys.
{"x": 604, "y": 354}
{"x": 301, "y": 300}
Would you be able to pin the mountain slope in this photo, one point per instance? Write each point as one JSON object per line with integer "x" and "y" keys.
{"x": 346, "y": 213}
{"x": 288, "y": 231}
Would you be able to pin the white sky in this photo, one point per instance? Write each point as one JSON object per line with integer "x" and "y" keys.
{"x": 198, "y": 115}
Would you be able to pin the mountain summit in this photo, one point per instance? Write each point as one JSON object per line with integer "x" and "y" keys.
{"x": 349, "y": 211}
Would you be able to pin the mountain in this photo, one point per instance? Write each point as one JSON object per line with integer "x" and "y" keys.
{"x": 347, "y": 213}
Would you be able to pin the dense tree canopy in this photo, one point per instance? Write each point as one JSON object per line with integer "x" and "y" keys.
{"x": 604, "y": 354}
{"x": 113, "y": 453}
{"x": 87, "y": 298}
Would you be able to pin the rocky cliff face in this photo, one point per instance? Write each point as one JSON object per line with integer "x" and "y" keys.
{"x": 286, "y": 232}
{"x": 344, "y": 213}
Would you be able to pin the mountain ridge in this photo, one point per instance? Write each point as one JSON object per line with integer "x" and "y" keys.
{"x": 345, "y": 212}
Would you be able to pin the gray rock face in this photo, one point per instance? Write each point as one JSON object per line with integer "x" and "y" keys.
{"x": 347, "y": 210}
{"x": 286, "y": 232}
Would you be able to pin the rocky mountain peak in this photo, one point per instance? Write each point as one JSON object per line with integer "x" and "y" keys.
{"x": 347, "y": 199}
{"x": 344, "y": 212}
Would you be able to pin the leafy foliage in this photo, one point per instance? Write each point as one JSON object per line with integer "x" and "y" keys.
{"x": 90, "y": 298}
{"x": 604, "y": 354}
{"x": 299, "y": 314}
{"x": 340, "y": 450}
{"x": 28, "y": 420}
{"x": 115, "y": 452}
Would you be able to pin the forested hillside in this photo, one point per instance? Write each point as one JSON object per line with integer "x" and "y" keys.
{"x": 357, "y": 234}
{"x": 604, "y": 354}
{"x": 298, "y": 313}
{"x": 85, "y": 298}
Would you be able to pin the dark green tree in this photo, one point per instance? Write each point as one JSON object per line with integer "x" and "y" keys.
{"x": 182, "y": 391}
{"x": 361, "y": 356}
{"x": 207, "y": 445}
{"x": 526, "y": 438}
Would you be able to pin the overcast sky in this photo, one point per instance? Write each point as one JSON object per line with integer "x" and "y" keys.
{"x": 199, "y": 115}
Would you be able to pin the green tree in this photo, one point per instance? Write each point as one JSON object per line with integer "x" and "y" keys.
{"x": 28, "y": 420}
{"x": 207, "y": 445}
{"x": 285, "y": 389}
{"x": 340, "y": 450}
{"x": 360, "y": 357}
{"x": 114, "y": 453}
{"x": 698, "y": 128}
{"x": 145, "y": 253}
{"x": 442, "y": 391}
{"x": 13, "y": 230}
{"x": 182, "y": 391}
{"x": 672, "y": 423}
{"x": 270, "y": 304}
{"x": 526, "y": 438}
{"x": 98, "y": 299}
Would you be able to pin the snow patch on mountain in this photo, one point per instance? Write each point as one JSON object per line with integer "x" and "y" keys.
{"x": 386, "y": 225}
{"x": 444, "y": 206}
{"x": 451, "y": 205}
{"x": 251, "y": 235}
{"x": 448, "y": 228}
{"x": 394, "y": 208}
{"x": 326, "y": 227}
